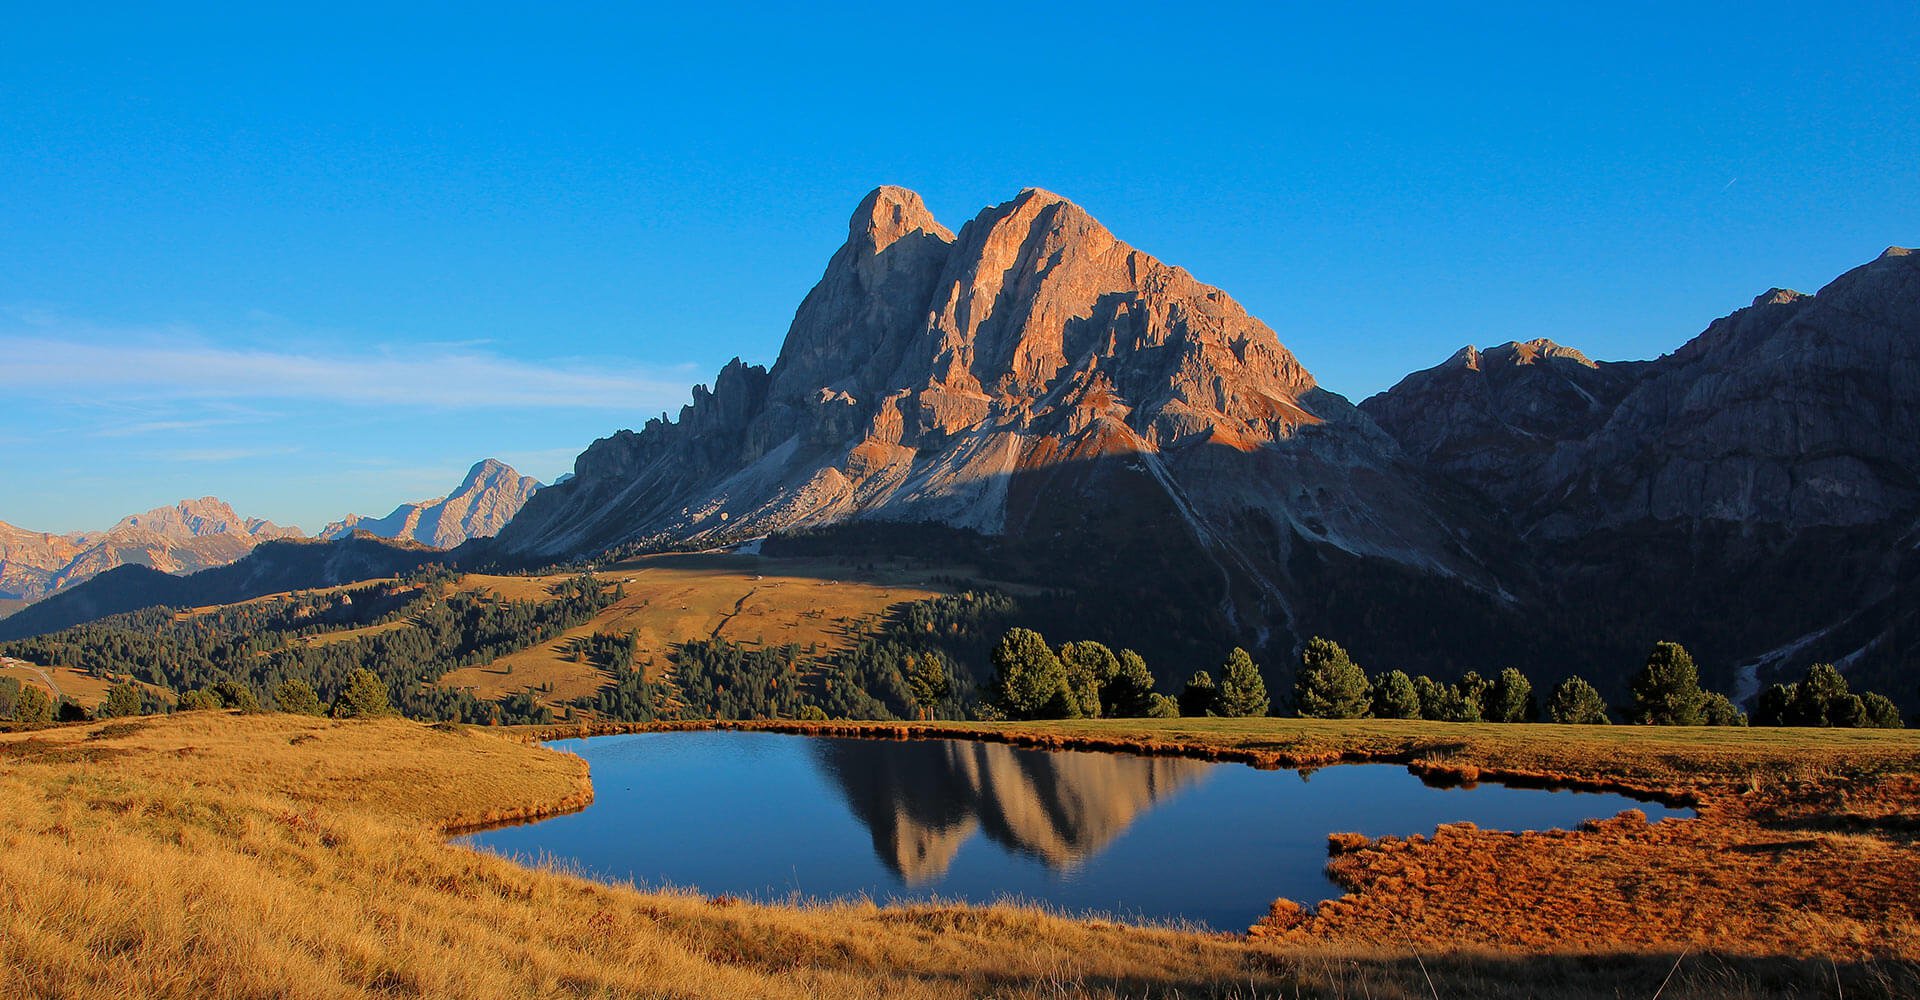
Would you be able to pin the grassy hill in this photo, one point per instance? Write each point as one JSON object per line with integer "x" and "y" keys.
{"x": 818, "y": 604}
{"x": 760, "y": 635}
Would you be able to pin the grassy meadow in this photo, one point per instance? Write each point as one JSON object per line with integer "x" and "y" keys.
{"x": 83, "y": 688}
{"x": 672, "y": 598}
{"x": 212, "y": 854}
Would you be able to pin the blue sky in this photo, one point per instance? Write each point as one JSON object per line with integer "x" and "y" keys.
{"x": 319, "y": 263}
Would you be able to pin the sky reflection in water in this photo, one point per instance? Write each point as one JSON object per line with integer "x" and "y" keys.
{"x": 773, "y": 816}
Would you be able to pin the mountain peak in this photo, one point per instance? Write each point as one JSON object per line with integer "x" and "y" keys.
{"x": 1530, "y": 351}
{"x": 183, "y": 537}
{"x": 487, "y": 469}
{"x": 1041, "y": 195}
{"x": 1515, "y": 352}
{"x": 1778, "y": 296}
{"x": 888, "y": 213}
{"x": 490, "y": 495}
{"x": 923, "y": 380}
{"x": 196, "y": 518}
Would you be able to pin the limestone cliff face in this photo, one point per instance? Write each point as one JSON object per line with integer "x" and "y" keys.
{"x": 1757, "y": 487}
{"x": 29, "y": 561}
{"x": 1800, "y": 411}
{"x": 1494, "y": 417}
{"x": 487, "y": 498}
{"x": 184, "y": 538}
{"x": 1031, "y": 364}
{"x": 1034, "y": 378}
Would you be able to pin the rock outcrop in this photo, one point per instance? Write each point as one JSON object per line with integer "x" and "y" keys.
{"x": 1028, "y": 371}
{"x": 186, "y": 537}
{"x": 1757, "y": 489}
{"x": 490, "y": 495}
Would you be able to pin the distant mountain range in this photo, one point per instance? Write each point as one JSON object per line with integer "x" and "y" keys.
{"x": 1035, "y": 397}
{"x": 273, "y": 566}
{"x": 194, "y": 535}
{"x": 490, "y": 495}
{"x": 188, "y": 536}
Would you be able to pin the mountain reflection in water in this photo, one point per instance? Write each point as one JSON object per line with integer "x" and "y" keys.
{"x": 777, "y": 817}
{"x": 922, "y": 799}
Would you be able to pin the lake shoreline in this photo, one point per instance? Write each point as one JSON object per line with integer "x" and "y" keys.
{"x": 1437, "y": 772}
{"x": 311, "y": 833}
{"x": 975, "y": 821}
{"x": 1709, "y": 870}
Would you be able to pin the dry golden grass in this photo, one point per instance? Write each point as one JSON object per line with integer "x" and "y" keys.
{"x": 350, "y": 634}
{"x": 215, "y": 855}
{"x": 673, "y": 598}
{"x": 84, "y": 688}
{"x": 211, "y": 855}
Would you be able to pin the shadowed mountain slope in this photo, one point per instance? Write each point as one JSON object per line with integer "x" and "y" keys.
{"x": 1755, "y": 493}
{"x": 271, "y": 567}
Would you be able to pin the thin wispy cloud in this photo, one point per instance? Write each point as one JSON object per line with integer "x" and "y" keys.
{"x": 214, "y": 455}
{"x": 445, "y": 376}
{"x": 163, "y": 427}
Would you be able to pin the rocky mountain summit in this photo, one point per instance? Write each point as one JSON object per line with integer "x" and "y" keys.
{"x": 1129, "y": 430}
{"x": 188, "y": 536}
{"x": 1031, "y": 378}
{"x": 1799, "y": 411}
{"x": 487, "y": 498}
{"x": 1758, "y": 488}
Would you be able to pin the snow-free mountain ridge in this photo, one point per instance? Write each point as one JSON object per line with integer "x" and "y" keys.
{"x": 1037, "y": 380}
{"x": 185, "y": 537}
{"x": 487, "y": 498}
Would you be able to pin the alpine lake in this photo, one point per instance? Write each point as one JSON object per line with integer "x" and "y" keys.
{"x": 776, "y": 817}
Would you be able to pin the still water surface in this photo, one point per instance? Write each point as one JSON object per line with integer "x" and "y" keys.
{"x": 771, "y": 816}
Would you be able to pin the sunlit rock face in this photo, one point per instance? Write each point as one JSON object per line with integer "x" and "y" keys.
{"x": 487, "y": 498}
{"x": 1029, "y": 368}
{"x": 186, "y": 537}
{"x": 922, "y": 800}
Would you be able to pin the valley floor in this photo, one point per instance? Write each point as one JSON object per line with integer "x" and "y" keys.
{"x": 216, "y": 855}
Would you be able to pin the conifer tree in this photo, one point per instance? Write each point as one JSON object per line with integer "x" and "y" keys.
{"x": 364, "y": 697}
{"x": 1667, "y": 692}
{"x": 1029, "y": 679}
{"x": 1575, "y": 702}
{"x": 1201, "y": 696}
{"x": 1511, "y": 699}
{"x": 1330, "y": 685}
{"x": 1243, "y": 692}
{"x": 1394, "y": 696}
